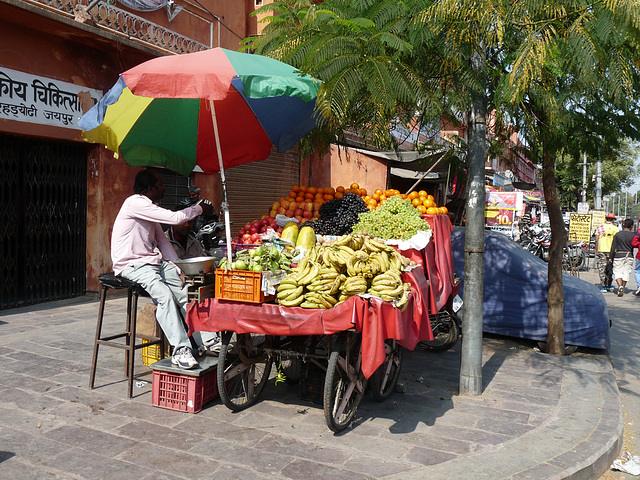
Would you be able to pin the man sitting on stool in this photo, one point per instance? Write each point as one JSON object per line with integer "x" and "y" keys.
{"x": 136, "y": 233}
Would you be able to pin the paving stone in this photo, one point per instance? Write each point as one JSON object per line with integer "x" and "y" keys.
{"x": 171, "y": 461}
{"x": 304, "y": 470}
{"x": 91, "y": 465}
{"x": 254, "y": 458}
{"x": 94, "y": 440}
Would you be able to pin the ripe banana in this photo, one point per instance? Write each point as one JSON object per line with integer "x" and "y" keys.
{"x": 292, "y": 303}
{"x": 310, "y": 275}
{"x": 403, "y": 302}
{"x": 308, "y": 304}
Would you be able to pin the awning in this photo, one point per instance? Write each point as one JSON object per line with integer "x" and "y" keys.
{"x": 412, "y": 174}
{"x": 410, "y": 161}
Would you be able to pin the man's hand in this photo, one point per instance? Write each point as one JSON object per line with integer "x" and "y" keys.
{"x": 207, "y": 208}
{"x": 182, "y": 280}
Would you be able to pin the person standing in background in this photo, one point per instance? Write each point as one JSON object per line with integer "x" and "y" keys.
{"x": 604, "y": 237}
{"x": 636, "y": 244}
{"x": 621, "y": 255}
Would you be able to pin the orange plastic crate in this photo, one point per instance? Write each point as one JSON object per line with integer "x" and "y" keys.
{"x": 240, "y": 286}
{"x": 181, "y": 392}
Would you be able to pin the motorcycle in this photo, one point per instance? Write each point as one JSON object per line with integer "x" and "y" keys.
{"x": 209, "y": 236}
{"x": 446, "y": 325}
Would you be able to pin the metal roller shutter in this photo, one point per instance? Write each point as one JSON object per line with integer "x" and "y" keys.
{"x": 253, "y": 187}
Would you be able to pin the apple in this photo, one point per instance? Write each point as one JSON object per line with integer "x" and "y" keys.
{"x": 255, "y": 237}
{"x": 281, "y": 211}
{"x": 298, "y": 212}
{"x": 247, "y": 226}
{"x": 280, "y": 229}
{"x": 247, "y": 242}
{"x": 275, "y": 205}
{"x": 264, "y": 222}
{"x": 293, "y": 205}
{"x": 289, "y": 213}
{"x": 317, "y": 205}
{"x": 308, "y": 206}
{"x": 273, "y": 213}
{"x": 246, "y": 236}
{"x": 256, "y": 223}
{"x": 307, "y": 214}
{"x": 285, "y": 204}
{"x": 253, "y": 230}
{"x": 241, "y": 232}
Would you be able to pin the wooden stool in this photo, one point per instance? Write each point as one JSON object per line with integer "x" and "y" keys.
{"x": 134, "y": 290}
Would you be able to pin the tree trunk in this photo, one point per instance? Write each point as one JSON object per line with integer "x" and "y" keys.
{"x": 555, "y": 332}
{"x": 471, "y": 355}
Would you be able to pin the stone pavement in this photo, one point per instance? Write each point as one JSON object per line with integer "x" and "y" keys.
{"x": 539, "y": 417}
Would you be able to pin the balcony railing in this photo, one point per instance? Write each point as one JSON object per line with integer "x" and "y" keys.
{"x": 116, "y": 20}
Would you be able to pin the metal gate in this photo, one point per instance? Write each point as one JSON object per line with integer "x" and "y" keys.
{"x": 43, "y": 196}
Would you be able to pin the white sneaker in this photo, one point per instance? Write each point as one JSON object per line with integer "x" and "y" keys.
{"x": 183, "y": 358}
{"x": 637, "y": 292}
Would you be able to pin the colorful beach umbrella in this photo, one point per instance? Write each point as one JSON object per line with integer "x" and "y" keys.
{"x": 213, "y": 109}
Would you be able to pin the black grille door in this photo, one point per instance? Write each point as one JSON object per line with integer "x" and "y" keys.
{"x": 43, "y": 195}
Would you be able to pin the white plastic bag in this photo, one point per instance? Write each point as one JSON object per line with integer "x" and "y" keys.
{"x": 627, "y": 464}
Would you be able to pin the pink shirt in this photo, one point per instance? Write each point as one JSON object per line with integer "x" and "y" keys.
{"x": 137, "y": 231}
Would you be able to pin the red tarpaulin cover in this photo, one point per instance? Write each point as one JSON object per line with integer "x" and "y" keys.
{"x": 376, "y": 319}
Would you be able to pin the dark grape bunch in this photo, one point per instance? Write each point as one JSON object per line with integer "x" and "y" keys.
{"x": 337, "y": 217}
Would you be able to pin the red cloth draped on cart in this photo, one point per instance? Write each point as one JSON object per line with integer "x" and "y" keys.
{"x": 376, "y": 319}
{"x": 437, "y": 261}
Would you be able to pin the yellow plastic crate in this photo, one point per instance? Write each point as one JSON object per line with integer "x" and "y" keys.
{"x": 150, "y": 354}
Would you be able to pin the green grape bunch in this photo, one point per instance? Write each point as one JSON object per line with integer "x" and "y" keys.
{"x": 394, "y": 219}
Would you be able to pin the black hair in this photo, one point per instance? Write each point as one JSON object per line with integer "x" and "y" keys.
{"x": 144, "y": 179}
{"x": 627, "y": 223}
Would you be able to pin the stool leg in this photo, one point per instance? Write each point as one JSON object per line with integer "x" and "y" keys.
{"x": 131, "y": 351}
{"x": 127, "y": 332}
{"x": 94, "y": 361}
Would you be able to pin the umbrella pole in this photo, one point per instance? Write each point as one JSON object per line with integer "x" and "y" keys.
{"x": 225, "y": 204}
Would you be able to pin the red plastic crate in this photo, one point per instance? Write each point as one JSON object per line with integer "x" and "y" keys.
{"x": 182, "y": 392}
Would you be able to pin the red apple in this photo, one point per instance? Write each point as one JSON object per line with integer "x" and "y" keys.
{"x": 293, "y": 205}
{"x": 255, "y": 237}
{"x": 298, "y": 212}
{"x": 247, "y": 242}
{"x": 281, "y": 211}
{"x": 280, "y": 229}
{"x": 275, "y": 205}
{"x": 247, "y": 226}
{"x": 289, "y": 213}
{"x": 317, "y": 205}
{"x": 307, "y": 214}
{"x": 264, "y": 221}
{"x": 241, "y": 232}
{"x": 253, "y": 230}
{"x": 285, "y": 204}
{"x": 246, "y": 236}
{"x": 256, "y": 223}
{"x": 273, "y": 213}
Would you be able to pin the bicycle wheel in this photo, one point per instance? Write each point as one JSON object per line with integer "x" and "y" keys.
{"x": 447, "y": 334}
{"x": 243, "y": 370}
{"x": 384, "y": 380}
{"x": 344, "y": 384}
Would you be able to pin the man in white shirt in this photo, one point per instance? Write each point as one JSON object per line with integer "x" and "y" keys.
{"x": 136, "y": 233}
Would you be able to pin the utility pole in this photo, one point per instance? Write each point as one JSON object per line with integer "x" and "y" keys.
{"x": 626, "y": 197}
{"x": 584, "y": 178}
{"x": 598, "y": 185}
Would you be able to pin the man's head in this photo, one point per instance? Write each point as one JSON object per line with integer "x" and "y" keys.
{"x": 627, "y": 224}
{"x": 610, "y": 217}
{"x": 150, "y": 184}
{"x": 194, "y": 193}
{"x": 183, "y": 229}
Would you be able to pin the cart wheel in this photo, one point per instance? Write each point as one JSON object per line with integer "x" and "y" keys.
{"x": 385, "y": 378}
{"x": 447, "y": 336}
{"x": 344, "y": 384}
{"x": 243, "y": 369}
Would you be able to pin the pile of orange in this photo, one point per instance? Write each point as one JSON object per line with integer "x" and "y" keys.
{"x": 304, "y": 202}
{"x": 421, "y": 200}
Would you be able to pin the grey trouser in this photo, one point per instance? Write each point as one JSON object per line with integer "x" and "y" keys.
{"x": 162, "y": 282}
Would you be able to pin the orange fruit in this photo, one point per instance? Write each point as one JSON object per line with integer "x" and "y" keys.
{"x": 320, "y": 190}
{"x": 329, "y": 190}
{"x": 339, "y": 195}
{"x": 382, "y": 198}
{"x": 308, "y": 195}
{"x": 403, "y": 196}
{"x": 431, "y": 197}
{"x": 340, "y": 189}
{"x": 313, "y": 190}
{"x": 363, "y": 191}
{"x": 295, "y": 189}
{"x": 299, "y": 199}
{"x": 354, "y": 186}
{"x": 422, "y": 208}
{"x": 303, "y": 188}
{"x": 293, "y": 194}
{"x": 366, "y": 198}
{"x": 444, "y": 210}
{"x": 432, "y": 211}
{"x": 378, "y": 192}
{"x": 415, "y": 202}
{"x": 376, "y": 196}
{"x": 347, "y": 190}
{"x": 328, "y": 197}
{"x": 372, "y": 203}
{"x": 422, "y": 193}
{"x": 412, "y": 195}
{"x": 428, "y": 203}
{"x": 389, "y": 193}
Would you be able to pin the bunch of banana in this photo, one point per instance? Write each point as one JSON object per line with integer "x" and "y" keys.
{"x": 306, "y": 271}
{"x": 354, "y": 285}
{"x": 318, "y": 300}
{"x": 355, "y": 241}
{"x": 388, "y": 286}
{"x": 289, "y": 293}
{"x": 371, "y": 244}
{"x": 403, "y": 301}
{"x": 363, "y": 264}
{"x": 337, "y": 256}
{"x": 328, "y": 281}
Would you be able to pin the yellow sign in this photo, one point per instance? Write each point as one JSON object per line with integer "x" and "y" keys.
{"x": 580, "y": 227}
{"x": 597, "y": 218}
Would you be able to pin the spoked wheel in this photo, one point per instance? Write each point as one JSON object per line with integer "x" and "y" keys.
{"x": 384, "y": 380}
{"x": 344, "y": 384}
{"x": 447, "y": 333}
{"x": 243, "y": 369}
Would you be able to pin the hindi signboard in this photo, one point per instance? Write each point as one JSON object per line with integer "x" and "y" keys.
{"x": 580, "y": 227}
{"x": 35, "y": 99}
{"x": 597, "y": 218}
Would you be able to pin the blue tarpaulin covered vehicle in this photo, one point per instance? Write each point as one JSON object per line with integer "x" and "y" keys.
{"x": 515, "y": 295}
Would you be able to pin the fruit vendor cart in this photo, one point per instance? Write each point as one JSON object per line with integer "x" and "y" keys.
{"x": 358, "y": 342}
